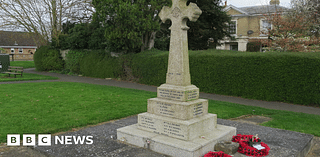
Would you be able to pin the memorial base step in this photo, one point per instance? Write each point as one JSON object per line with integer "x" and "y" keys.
{"x": 178, "y": 93}
{"x": 181, "y": 129}
{"x": 177, "y": 109}
{"x": 173, "y": 146}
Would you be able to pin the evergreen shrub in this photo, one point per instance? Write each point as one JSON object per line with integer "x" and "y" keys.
{"x": 100, "y": 64}
{"x": 253, "y": 46}
{"x": 285, "y": 77}
{"x": 162, "y": 43}
{"x": 272, "y": 76}
{"x": 47, "y": 59}
{"x": 150, "y": 67}
{"x": 73, "y": 58}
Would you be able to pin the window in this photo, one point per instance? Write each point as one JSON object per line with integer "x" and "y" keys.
{"x": 233, "y": 27}
{"x": 234, "y": 47}
{"x": 12, "y": 50}
{"x": 266, "y": 25}
{"x": 20, "y": 50}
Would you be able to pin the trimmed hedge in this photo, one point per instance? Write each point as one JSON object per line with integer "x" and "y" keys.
{"x": 272, "y": 76}
{"x": 150, "y": 67}
{"x": 286, "y": 77}
{"x": 93, "y": 63}
{"x": 47, "y": 59}
{"x": 283, "y": 77}
{"x": 73, "y": 58}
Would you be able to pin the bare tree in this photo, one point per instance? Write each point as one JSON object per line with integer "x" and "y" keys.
{"x": 43, "y": 17}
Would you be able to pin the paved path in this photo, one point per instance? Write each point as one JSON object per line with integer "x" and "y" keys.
{"x": 125, "y": 84}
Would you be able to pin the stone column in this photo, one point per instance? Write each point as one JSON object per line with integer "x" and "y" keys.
{"x": 177, "y": 122}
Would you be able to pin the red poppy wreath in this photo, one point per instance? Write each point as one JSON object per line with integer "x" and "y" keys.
{"x": 217, "y": 154}
{"x": 251, "y": 145}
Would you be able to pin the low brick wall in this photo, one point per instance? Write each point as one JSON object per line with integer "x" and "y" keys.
{"x": 22, "y": 57}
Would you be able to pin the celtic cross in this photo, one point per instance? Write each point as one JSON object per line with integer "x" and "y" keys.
{"x": 178, "y": 65}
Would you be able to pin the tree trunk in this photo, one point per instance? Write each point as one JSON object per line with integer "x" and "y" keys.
{"x": 151, "y": 40}
{"x": 148, "y": 41}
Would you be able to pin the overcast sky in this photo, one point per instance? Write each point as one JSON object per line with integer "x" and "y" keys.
{"x": 246, "y": 3}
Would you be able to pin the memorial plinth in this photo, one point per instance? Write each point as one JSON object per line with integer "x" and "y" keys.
{"x": 177, "y": 122}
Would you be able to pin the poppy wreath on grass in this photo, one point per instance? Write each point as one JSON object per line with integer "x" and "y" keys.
{"x": 217, "y": 154}
{"x": 246, "y": 145}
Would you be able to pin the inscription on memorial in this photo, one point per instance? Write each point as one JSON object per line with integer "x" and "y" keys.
{"x": 162, "y": 127}
{"x": 198, "y": 109}
{"x": 172, "y": 129}
{"x": 147, "y": 123}
{"x": 170, "y": 94}
{"x": 165, "y": 109}
{"x": 192, "y": 94}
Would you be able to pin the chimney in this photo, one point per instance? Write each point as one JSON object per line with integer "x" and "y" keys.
{"x": 275, "y": 2}
{"x": 225, "y": 3}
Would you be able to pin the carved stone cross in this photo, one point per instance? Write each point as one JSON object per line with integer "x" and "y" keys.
{"x": 178, "y": 66}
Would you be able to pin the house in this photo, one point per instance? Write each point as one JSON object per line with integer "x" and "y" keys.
{"x": 248, "y": 24}
{"x": 21, "y": 45}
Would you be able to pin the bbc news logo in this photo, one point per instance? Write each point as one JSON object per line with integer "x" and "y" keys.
{"x": 45, "y": 140}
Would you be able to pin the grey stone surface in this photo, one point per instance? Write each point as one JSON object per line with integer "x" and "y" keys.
{"x": 172, "y": 146}
{"x": 288, "y": 143}
{"x": 178, "y": 65}
{"x": 104, "y": 143}
{"x": 181, "y": 129}
{"x": 179, "y": 93}
{"x": 282, "y": 143}
{"x": 177, "y": 121}
{"x": 227, "y": 147}
{"x": 178, "y": 109}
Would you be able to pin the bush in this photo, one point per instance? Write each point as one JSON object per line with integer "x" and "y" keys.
{"x": 99, "y": 64}
{"x": 150, "y": 67}
{"x": 162, "y": 43}
{"x": 47, "y": 59}
{"x": 73, "y": 58}
{"x": 285, "y": 77}
{"x": 253, "y": 46}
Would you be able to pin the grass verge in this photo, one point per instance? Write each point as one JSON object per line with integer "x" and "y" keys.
{"x": 24, "y": 64}
{"x": 51, "y": 107}
{"x": 25, "y": 77}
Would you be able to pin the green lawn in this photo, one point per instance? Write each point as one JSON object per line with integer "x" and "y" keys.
{"x": 25, "y": 77}
{"x": 24, "y": 64}
{"x": 51, "y": 107}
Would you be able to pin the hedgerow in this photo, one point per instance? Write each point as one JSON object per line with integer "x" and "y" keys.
{"x": 286, "y": 77}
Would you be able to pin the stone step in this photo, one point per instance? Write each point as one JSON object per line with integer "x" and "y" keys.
{"x": 172, "y": 146}
{"x": 178, "y": 93}
{"x": 180, "y": 129}
{"x": 177, "y": 109}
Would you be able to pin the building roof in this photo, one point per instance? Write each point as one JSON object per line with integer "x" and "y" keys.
{"x": 263, "y": 9}
{"x": 257, "y": 10}
{"x": 8, "y": 38}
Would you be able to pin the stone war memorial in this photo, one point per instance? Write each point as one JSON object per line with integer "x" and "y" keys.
{"x": 177, "y": 122}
